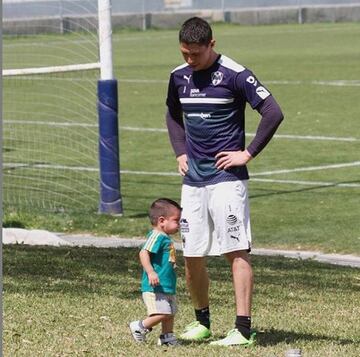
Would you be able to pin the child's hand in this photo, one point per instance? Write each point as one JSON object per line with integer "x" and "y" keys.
{"x": 153, "y": 279}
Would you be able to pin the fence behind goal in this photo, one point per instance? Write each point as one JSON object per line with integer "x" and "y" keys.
{"x": 50, "y": 125}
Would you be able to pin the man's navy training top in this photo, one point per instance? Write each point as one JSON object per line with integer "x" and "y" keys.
{"x": 213, "y": 103}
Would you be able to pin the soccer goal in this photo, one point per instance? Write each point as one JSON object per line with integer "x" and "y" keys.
{"x": 60, "y": 113}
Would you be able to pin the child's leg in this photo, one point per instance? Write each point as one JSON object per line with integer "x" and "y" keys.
{"x": 153, "y": 320}
{"x": 167, "y": 336}
{"x": 167, "y": 324}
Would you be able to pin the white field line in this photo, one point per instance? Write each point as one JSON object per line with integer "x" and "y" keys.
{"x": 307, "y": 183}
{"x": 332, "y": 83}
{"x": 304, "y": 169}
{"x": 336, "y": 83}
{"x": 43, "y": 77}
{"x": 267, "y": 173}
{"x": 127, "y": 38}
{"x": 162, "y": 130}
{"x": 49, "y": 123}
{"x": 91, "y": 41}
{"x": 53, "y": 69}
{"x": 279, "y": 136}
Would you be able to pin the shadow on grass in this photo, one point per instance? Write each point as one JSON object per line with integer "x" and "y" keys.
{"x": 71, "y": 270}
{"x": 273, "y": 337}
{"x": 286, "y": 272}
{"x": 139, "y": 215}
{"x": 13, "y": 223}
{"x": 305, "y": 189}
{"x": 87, "y": 270}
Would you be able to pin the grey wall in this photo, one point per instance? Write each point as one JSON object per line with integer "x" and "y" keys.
{"x": 51, "y": 8}
{"x": 249, "y": 16}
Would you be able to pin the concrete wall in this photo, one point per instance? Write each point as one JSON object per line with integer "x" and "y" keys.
{"x": 31, "y": 26}
{"x": 250, "y": 16}
{"x": 265, "y": 16}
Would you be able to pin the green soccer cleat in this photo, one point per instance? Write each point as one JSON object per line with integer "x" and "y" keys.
{"x": 195, "y": 332}
{"x": 235, "y": 338}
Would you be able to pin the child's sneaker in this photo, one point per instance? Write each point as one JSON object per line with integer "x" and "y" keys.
{"x": 139, "y": 333}
{"x": 168, "y": 339}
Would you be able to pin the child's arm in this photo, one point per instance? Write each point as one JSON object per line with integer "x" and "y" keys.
{"x": 146, "y": 263}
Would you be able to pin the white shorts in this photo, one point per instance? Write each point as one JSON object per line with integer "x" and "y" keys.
{"x": 159, "y": 303}
{"x": 215, "y": 219}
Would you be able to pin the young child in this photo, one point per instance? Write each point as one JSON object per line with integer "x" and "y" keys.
{"x": 158, "y": 285}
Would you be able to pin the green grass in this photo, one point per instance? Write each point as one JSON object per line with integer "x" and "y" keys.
{"x": 284, "y": 215}
{"x": 78, "y": 301}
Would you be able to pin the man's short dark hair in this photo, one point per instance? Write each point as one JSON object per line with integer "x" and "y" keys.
{"x": 162, "y": 207}
{"x": 195, "y": 30}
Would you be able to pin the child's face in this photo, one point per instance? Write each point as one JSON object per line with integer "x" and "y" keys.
{"x": 170, "y": 224}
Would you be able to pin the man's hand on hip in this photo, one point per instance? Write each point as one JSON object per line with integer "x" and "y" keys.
{"x": 228, "y": 159}
{"x": 182, "y": 164}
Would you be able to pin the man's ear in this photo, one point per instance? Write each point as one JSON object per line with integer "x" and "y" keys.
{"x": 212, "y": 43}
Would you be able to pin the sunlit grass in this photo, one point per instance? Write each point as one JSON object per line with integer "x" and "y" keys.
{"x": 78, "y": 301}
{"x": 289, "y": 59}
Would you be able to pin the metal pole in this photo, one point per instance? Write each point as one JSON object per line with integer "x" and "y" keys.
{"x": 110, "y": 196}
{"x": 61, "y": 14}
{"x": 105, "y": 41}
{"x": 300, "y": 19}
{"x": 143, "y": 15}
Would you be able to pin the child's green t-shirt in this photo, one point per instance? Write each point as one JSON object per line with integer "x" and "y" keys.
{"x": 163, "y": 260}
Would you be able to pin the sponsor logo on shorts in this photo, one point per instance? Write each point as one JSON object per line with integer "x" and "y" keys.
{"x": 231, "y": 219}
{"x": 233, "y": 229}
{"x": 184, "y": 226}
{"x": 183, "y": 240}
{"x": 234, "y": 237}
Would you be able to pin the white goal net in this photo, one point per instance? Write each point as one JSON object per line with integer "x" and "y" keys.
{"x": 50, "y": 125}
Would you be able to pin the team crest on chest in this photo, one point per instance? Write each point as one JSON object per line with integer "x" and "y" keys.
{"x": 216, "y": 77}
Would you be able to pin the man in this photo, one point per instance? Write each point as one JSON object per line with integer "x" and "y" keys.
{"x": 206, "y": 108}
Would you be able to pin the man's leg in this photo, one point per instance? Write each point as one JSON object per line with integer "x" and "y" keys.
{"x": 196, "y": 231}
{"x": 198, "y": 285}
{"x": 242, "y": 281}
{"x": 243, "y": 287}
{"x": 197, "y": 281}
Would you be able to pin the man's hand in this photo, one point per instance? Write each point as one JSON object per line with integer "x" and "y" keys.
{"x": 227, "y": 159}
{"x": 182, "y": 164}
{"x": 153, "y": 279}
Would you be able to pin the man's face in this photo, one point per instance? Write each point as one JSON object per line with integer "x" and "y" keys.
{"x": 197, "y": 56}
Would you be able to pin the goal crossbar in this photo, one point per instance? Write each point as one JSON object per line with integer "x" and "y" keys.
{"x": 51, "y": 69}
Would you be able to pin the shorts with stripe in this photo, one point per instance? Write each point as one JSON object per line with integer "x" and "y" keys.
{"x": 159, "y": 303}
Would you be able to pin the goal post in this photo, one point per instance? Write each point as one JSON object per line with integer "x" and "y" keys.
{"x": 109, "y": 166}
{"x": 60, "y": 110}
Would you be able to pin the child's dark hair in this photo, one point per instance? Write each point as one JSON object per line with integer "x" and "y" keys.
{"x": 161, "y": 208}
{"x": 195, "y": 30}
